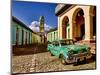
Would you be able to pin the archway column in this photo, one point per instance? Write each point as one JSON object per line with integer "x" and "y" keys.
{"x": 71, "y": 28}
{"x": 88, "y": 26}
{"x": 59, "y": 28}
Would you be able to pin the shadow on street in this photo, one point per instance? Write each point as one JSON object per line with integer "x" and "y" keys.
{"x": 26, "y": 50}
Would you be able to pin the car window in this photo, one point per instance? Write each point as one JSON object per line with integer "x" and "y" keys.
{"x": 48, "y": 42}
{"x": 56, "y": 43}
{"x": 66, "y": 42}
{"x": 71, "y": 42}
{"x": 53, "y": 43}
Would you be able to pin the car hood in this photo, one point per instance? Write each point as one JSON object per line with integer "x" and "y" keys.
{"x": 76, "y": 47}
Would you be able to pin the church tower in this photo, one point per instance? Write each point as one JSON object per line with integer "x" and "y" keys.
{"x": 42, "y": 24}
{"x": 42, "y": 31}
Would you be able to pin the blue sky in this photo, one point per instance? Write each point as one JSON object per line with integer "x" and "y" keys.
{"x": 30, "y": 12}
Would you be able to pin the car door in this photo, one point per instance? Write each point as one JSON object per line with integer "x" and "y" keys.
{"x": 51, "y": 47}
{"x": 56, "y": 48}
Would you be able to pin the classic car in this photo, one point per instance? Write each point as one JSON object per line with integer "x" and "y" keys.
{"x": 69, "y": 52}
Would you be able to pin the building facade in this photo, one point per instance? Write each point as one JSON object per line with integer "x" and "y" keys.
{"x": 22, "y": 35}
{"x": 76, "y": 22}
{"x": 36, "y": 38}
{"x": 52, "y": 35}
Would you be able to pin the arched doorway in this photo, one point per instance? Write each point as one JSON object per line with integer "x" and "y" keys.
{"x": 65, "y": 23}
{"x": 78, "y": 24}
{"x": 93, "y": 19}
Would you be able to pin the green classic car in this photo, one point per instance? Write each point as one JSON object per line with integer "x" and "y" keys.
{"x": 69, "y": 52}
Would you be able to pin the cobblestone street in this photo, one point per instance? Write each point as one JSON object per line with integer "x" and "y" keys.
{"x": 43, "y": 62}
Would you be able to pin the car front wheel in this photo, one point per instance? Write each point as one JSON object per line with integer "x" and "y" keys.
{"x": 62, "y": 59}
{"x": 51, "y": 54}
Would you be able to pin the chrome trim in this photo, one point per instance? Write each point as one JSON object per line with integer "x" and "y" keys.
{"x": 79, "y": 56}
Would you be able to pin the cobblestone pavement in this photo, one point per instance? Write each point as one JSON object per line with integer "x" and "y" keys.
{"x": 21, "y": 64}
{"x": 43, "y": 62}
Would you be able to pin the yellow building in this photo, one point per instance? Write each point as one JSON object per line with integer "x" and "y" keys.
{"x": 52, "y": 35}
{"x": 36, "y": 38}
{"x": 76, "y": 22}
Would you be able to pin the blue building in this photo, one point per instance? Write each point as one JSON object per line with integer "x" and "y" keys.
{"x": 20, "y": 33}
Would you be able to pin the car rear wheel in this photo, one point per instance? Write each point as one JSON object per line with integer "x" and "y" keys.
{"x": 51, "y": 54}
{"x": 62, "y": 59}
{"x": 85, "y": 61}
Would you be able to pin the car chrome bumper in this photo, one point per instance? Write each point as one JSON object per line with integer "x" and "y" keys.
{"x": 81, "y": 57}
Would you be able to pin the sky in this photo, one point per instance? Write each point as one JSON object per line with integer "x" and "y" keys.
{"x": 30, "y": 12}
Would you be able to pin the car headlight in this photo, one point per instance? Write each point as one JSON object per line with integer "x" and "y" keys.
{"x": 70, "y": 52}
{"x": 88, "y": 49}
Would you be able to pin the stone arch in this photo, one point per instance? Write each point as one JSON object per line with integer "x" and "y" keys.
{"x": 65, "y": 22}
{"x": 78, "y": 24}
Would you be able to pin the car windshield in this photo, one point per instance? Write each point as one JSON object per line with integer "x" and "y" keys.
{"x": 56, "y": 43}
{"x": 66, "y": 42}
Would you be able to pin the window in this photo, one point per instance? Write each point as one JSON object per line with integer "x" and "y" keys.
{"x": 68, "y": 33}
{"x": 17, "y": 36}
{"x": 66, "y": 42}
{"x": 22, "y": 36}
{"x": 51, "y": 36}
{"x": 67, "y": 23}
{"x": 55, "y": 43}
{"x": 54, "y": 35}
{"x": 29, "y": 37}
{"x": 26, "y": 38}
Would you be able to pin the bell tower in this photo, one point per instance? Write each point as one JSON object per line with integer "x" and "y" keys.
{"x": 42, "y": 24}
{"x": 42, "y": 31}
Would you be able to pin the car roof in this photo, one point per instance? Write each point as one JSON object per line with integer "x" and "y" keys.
{"x": 65, "y": 39}
{"x": 62, "y": 40}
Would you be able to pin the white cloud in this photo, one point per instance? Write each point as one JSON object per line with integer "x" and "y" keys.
{"x": 35, "y": 26}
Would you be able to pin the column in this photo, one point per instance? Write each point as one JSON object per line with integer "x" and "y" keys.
{"x": 72, "y": 23}
{"x": 59, "y": 27}
{"x": 88, "y": 26}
